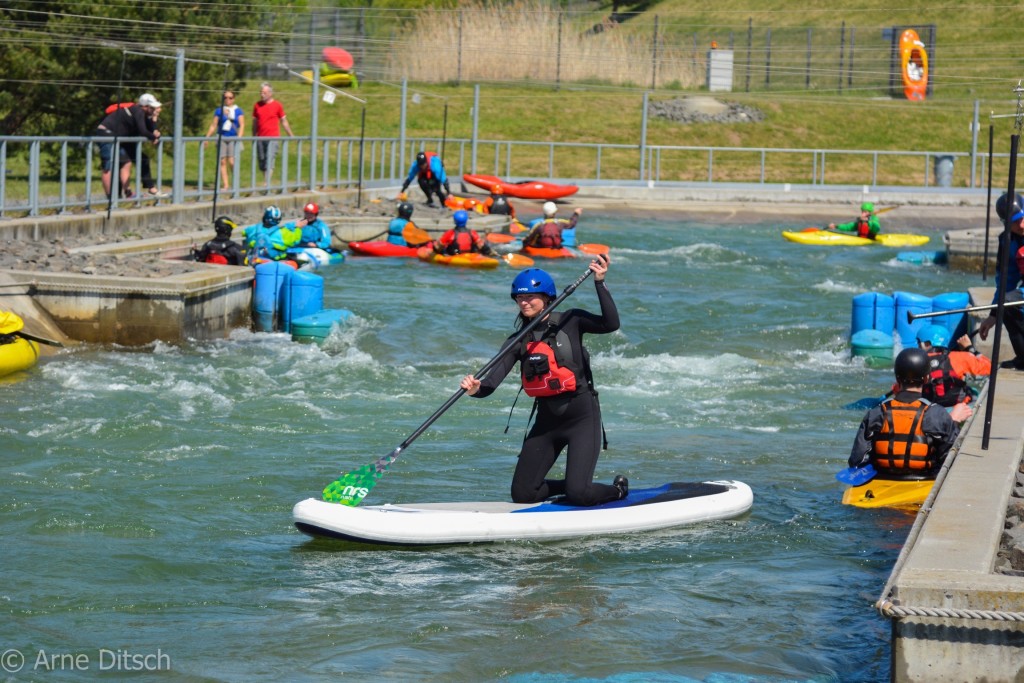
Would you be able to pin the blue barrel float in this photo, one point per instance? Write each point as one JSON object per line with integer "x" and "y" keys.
{"x": 871, "y": 325}
{"x": 956, "y": 323}
{"x": 304, "y": 295}
{"x": 908, "y": 302}
{"x": 271, "y": 278}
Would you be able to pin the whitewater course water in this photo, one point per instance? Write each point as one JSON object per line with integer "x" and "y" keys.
{"x": 146, "y": 494}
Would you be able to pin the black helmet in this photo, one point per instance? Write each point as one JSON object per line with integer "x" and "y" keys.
{"x": 421, "y": 158}
{"x": 223, "y": 226}
{"x": 1010, "y": 213}
{"x": 912, "y": 366}
{"x": 405, "y": 210}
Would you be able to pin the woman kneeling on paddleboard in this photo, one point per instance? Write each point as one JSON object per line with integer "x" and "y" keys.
{"x": 555, "y": 370}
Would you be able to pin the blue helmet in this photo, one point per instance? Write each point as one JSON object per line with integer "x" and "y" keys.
{"x": 460, "y": 217}
{"x": 272, "y": 216}
{"x": 534, "y": 280}
{"x": 936, "y": 335}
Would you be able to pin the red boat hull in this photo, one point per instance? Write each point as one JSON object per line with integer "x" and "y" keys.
{"x": 527, "y": 189}
{"x": 381, "y": 249}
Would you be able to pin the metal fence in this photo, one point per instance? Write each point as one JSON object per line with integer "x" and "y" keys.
{"x": 60, "y": 174}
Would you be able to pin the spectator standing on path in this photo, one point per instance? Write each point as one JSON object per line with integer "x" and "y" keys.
{"x": 230, "y": 121}
{"x": 268, "y": 119}
{"x": 124, "y": 122}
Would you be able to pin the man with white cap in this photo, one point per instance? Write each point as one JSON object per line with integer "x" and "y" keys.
{"x": 136, "y": 120}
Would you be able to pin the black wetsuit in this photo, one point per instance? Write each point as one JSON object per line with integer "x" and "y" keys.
{"x": 570, "y": 420}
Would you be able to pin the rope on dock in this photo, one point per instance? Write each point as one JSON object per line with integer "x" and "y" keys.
{"x": 888, "y": 609}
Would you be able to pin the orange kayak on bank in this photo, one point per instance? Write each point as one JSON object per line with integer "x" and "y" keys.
{"x": 526, "y": 189}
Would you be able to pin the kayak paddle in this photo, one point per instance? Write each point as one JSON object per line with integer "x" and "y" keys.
{"x": 415, "y": 236}
{"x": 517, "y": 260}
{"x": 593, "y": 248}
{"x": 500, "y": 238}
{"x": 351, "y": 487}
{"x": 39, "y": 340}
{"x": 864, "y": 403}
{"x": 856, "y": 476}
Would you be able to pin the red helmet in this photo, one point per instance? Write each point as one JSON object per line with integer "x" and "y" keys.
{"x": 312, "y": 208}
{"x": 497, "y": 190}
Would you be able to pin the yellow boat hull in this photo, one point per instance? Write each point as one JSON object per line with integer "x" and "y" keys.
{"x": 18, "y": 355}
{"x": 834, "y": 239}
{"x": 880, "y": 493}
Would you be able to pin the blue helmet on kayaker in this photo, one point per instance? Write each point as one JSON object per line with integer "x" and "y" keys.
{"x": 461, "y": 218}
{"x": 936, "y": 335}
{"x": 534, "y": 281}
{"x": 271, "y": 216}
{"x": 912, "y": 366}
{"x": 1010, "y": 213}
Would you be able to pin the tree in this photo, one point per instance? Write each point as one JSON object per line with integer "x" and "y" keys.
{"x": 65, "y": 61}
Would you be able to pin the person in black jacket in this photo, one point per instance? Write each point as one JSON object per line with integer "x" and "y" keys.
{"x": 136, "y": 120}
{"x": 222, "y": 249}
{"x": 555, "y": 370}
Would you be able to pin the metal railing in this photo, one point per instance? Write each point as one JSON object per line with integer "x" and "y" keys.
{"x": 59, "y": 174}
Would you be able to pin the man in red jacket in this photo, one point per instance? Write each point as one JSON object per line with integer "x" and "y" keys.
{"x": 268, "y": 118}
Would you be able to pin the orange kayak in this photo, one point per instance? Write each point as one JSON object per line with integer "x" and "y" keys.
{"x": 546, "y": 252}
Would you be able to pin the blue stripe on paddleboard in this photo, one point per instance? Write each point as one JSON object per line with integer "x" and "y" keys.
{"x": 663, "y": 493}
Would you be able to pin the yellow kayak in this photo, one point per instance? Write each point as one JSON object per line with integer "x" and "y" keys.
{"x": 838, "y": 239}
{"x": 467, "y": 260}
{"x": 21, "y": 354}
{"x": 880, "y": 493}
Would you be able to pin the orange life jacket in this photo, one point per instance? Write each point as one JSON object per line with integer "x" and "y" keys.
{"x": 901, "y": 444}
{"x": 542, "y": 375}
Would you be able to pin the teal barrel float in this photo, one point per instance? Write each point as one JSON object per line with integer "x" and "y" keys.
{"x": 316, "y": 327}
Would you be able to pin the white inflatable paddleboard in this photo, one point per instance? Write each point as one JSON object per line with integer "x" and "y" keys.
{"x": 662, "y": 507}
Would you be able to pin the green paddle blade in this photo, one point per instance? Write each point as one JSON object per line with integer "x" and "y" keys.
{"x": 352, "y": 487}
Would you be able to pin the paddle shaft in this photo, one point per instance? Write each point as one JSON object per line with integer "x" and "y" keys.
{"x": 39, "y": 340}
{"x": 911, "y": 316}
{"x": 384, "y": 462}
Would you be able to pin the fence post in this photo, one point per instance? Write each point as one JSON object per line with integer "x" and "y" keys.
{"x": 654, "y": 56}
{"x": 842, "y": 49}
{"x": 768, "y": 60}
{"x": 403, "y": 111}
{"x": 476, "y": 126}
{"x": 643, "y": 135}
{"x": 314, "y": 123}
{"x": 458, "y": 67}
{"x": 974, "y": 143}
{"x": 807, "y": 77}
{"x": 178, "y": 181}
{"x": 750, "y": 47}
{"x": 558, "y": 55}
{"x": 849, "y": 66}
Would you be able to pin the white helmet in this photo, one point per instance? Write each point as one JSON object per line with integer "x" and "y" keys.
{"x": 550, "y": 209}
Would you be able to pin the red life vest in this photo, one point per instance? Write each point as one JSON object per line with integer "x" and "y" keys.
{"x": 944, "y": 385}
{"x": 547, "y": 365}
{"x": 460, "y": 242}
{"x": 113, "y": 107}
{"x": 542, "y": 375}
{"x": 425, "y": 172}
{"x": 901, "y": 444}
{"x": 863, "y": 228}
{"x": 214, "y": 257}
{"x": 549, "y": 235}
